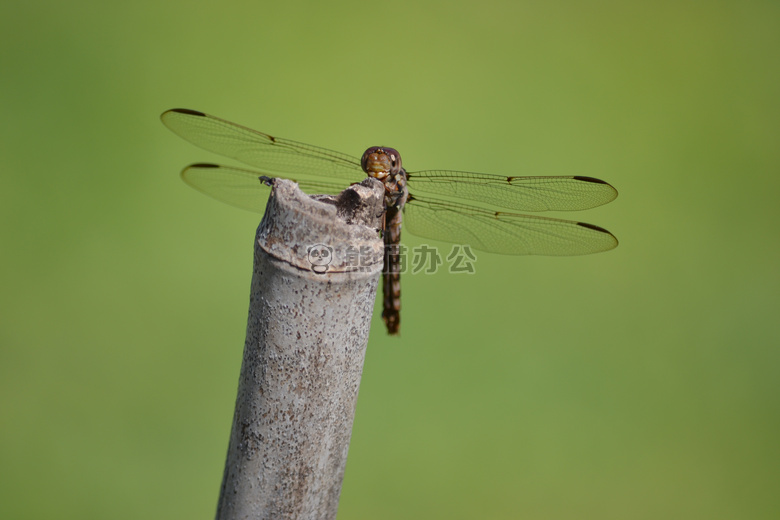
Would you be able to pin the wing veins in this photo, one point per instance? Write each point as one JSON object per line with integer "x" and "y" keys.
{"x": 271, "y": 154}
{"x": 556, "y": 193}
{"x": 502, "y": 232}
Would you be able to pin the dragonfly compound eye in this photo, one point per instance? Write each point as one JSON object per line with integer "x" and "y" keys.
{"x": 381, "y": 160}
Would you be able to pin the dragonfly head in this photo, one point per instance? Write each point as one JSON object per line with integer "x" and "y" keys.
{"x": 379, "y": 162}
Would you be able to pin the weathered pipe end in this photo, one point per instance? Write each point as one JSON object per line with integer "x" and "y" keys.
{"x": 316, "y": 270}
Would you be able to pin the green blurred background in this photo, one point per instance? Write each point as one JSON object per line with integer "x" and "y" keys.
{"x": 639, "y": 383}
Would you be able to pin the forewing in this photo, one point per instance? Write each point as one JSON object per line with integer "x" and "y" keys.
{"x": 273, "y": 155}
{"x": 504, "y": 233}
{"x": 517, "y": 193}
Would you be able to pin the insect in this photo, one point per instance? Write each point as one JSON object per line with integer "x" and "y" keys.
{"x": 429, "y": 203}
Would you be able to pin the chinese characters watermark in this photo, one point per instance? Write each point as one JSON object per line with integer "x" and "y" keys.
{"x": 423, "y": 258}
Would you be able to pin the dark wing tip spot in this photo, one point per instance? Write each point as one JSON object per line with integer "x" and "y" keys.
{"x": 589, "y": 179}
{"x": 203, "y": 165}
{"x": 593, "y": 227}
{"x": 188, "y": 112}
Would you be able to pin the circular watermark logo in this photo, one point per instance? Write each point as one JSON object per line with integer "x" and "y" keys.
{"x": 320, "y": 257}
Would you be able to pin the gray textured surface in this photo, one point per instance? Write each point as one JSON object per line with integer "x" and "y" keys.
{"x": 303, "y": 357}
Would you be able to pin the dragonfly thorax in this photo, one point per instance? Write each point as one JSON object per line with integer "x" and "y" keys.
{"x": 384, "y": 164}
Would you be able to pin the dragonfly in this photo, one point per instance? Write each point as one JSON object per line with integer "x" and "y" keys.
{"x": 474, "y": 209}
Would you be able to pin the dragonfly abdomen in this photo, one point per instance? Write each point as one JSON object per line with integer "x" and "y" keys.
{"x": 391, "y": 274}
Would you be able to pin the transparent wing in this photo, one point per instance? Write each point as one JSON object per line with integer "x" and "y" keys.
{"x": 242, "y": 188}
{"x": 273, "y": 155}
{"x": 520, "y": 193}
{"x": 503, "y": 233}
